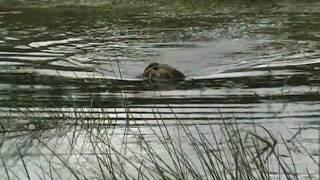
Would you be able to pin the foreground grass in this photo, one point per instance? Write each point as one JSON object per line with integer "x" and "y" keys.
{"x": 106, "y": 149}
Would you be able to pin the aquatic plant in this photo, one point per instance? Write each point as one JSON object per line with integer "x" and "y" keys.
{"x": 158, "y": 149}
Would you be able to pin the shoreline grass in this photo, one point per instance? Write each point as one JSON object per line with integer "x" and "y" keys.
{"x": 114, "y": 5}
{"x": 162, "y": 151}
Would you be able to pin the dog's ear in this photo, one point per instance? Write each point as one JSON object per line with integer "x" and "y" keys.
{"x": 152, "y": 65}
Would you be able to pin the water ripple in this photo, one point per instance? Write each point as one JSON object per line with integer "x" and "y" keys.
{"x": 53, "y": 42}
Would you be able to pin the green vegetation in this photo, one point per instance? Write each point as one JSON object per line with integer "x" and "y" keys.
{"x": 125, "y": 3}
{"x": 158, "y": 150}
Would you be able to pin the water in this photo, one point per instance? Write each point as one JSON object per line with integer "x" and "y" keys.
{"x": 61, "y": 65}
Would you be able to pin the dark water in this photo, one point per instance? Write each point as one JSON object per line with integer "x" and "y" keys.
{"x": 258, "y": 64}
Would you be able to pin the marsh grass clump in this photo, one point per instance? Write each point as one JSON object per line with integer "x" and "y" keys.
{"x": 131, "y": 149}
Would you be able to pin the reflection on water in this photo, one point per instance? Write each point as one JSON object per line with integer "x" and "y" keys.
{"x": 257, "y": 65}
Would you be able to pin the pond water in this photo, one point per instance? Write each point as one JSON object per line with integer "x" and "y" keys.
{"x": 69, "y": 66}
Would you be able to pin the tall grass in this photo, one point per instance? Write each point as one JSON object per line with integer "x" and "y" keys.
{"x": 159, "y": 150}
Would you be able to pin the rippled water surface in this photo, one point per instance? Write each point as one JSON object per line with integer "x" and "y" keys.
{"x": 258, "y": 64}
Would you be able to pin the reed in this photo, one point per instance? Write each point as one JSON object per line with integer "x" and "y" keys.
{"x": 158, "y": 150}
